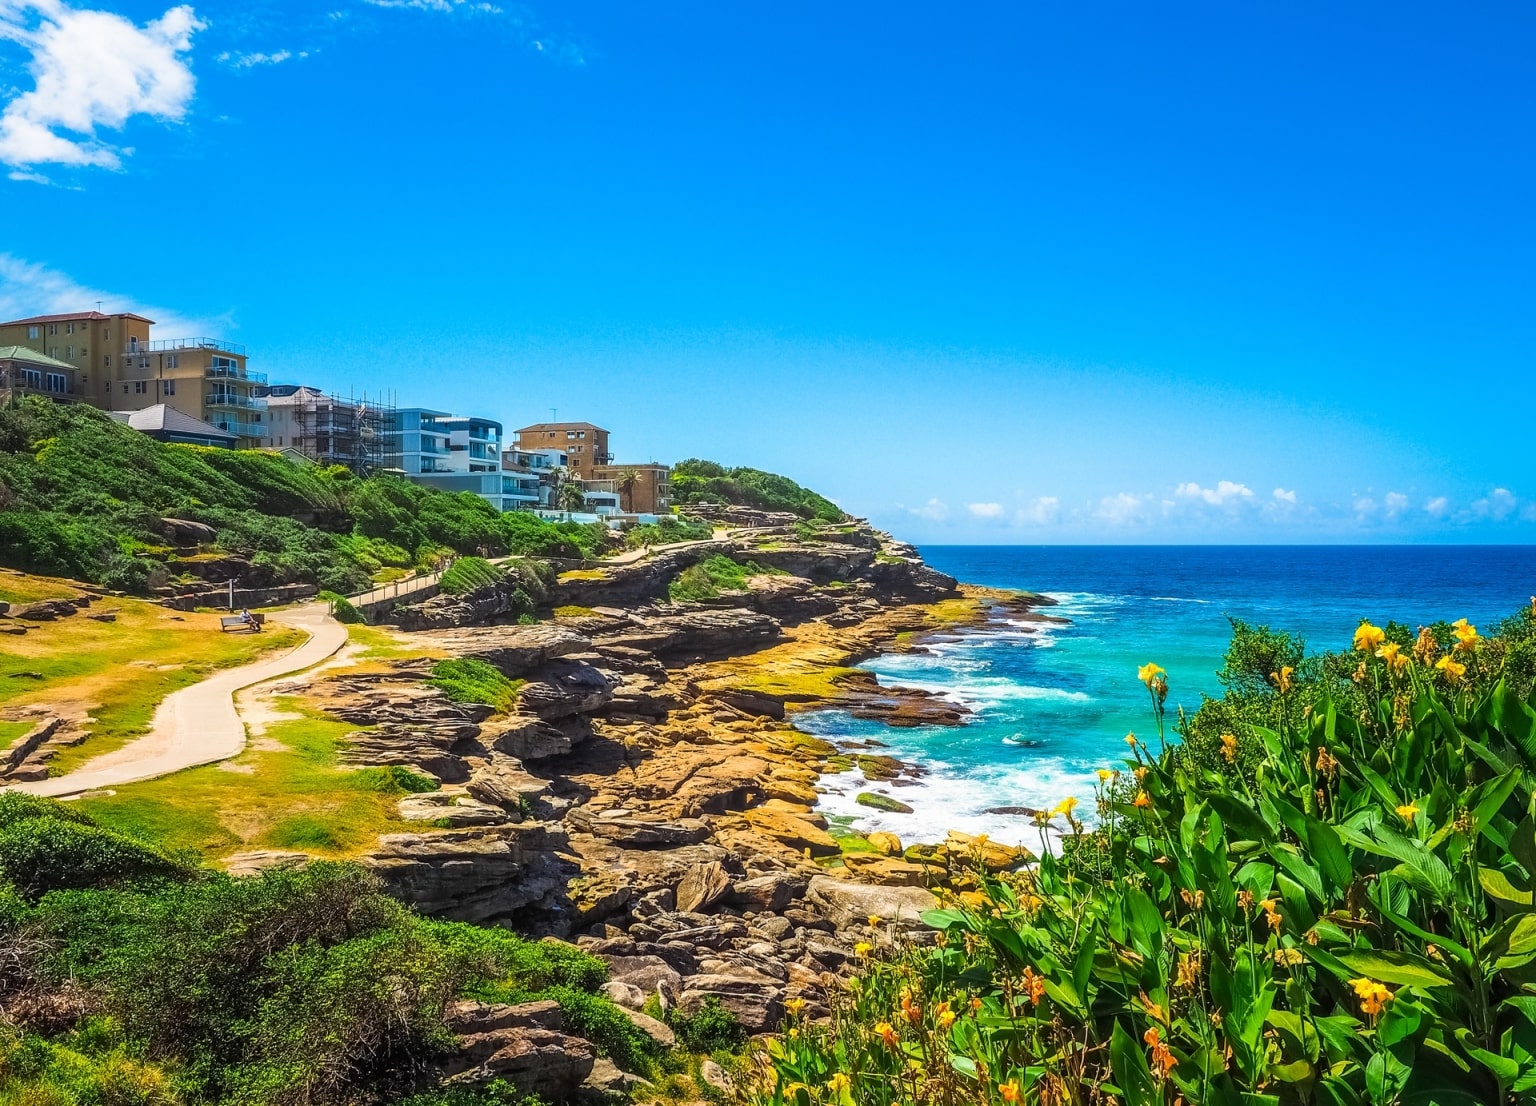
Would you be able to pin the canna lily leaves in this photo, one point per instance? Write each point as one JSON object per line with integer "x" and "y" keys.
{"x": 1401, "y": 968}
{"x": 1132, "y": 1072}
{"x": 1498, "y": 886}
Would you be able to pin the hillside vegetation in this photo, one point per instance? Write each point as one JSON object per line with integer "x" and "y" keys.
{"x": 82, "y": 496}
{"x": 696, "y": 481}
{"x": 1326, "y": 894}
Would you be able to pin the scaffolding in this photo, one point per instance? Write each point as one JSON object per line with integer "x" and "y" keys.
{"x": 352, "y": 430}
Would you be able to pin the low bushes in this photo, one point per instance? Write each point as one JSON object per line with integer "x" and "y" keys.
{"x": 299, "y": 986}
{"x": 469, "y": 574}
{"x": 670, "y": 528}
{"x": 467, "y": 680}
{"x": 696, "y": 481}
{"x": 707, "y": 579}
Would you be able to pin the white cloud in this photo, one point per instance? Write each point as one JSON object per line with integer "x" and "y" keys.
{"x": 935, "y": 510}
{"x": 1224, "y": 492}
{"x": 1042, "y": 512}
{"x": 1438, "y": 506}
{"x": 28, "y": 289}
{"x": 237, "y": 60}
{"x": 91, "y": 69}
{"x": 1396, "y": 504}
{"x": 985, "y": 510}
{"x": 1122, "y": 509}
{"x": 439, "y": 5}
{"x": 1498, "y": 505}
{"x": 1283, "y": 496}
{"x": 1364, "y": 505}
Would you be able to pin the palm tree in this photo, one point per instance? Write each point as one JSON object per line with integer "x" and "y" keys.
{"x": 570, "y": 496}
{"x": 626, "y": 483}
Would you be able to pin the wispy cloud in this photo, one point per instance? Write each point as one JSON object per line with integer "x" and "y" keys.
{"x": 1281, "y": 495}
{"x": 29, "y": 289}
{"x": 985, "y": 510}
{"x": 90, "y": 70}
{"x": 236, "y": 59}
{"x": 1225, "y": 491}
{"x": 935, "y": 510}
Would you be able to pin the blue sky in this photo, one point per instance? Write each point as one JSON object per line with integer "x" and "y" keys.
{"x": 1013, "y": 273}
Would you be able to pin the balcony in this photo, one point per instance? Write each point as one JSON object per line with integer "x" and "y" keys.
{"x": 240, "y": 426}
{"x": 172, "y": 344}
{"x": 233, "y": 399}
{"x": 237, "y": 372}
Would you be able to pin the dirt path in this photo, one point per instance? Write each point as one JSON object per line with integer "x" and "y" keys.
{"x": 199, "y": 724}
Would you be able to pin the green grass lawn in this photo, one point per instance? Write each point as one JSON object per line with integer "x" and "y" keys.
{"x": 285, "y": 791}
{"x": 10, "y": 732}
{"x": 115, "y": 673}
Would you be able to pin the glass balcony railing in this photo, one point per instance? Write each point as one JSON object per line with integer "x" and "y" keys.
{"x": 234, "y": 372}
{"x": 234, "y": 399}
{"x": 241, "y": 427}
{"x": 171, "y": 344}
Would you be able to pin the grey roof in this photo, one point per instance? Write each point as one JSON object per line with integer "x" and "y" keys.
{"x": 31, "y": 357}
{"x": 164, "y": 419}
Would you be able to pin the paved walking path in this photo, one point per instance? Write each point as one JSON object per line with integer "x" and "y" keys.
{"x": 199, "y": 724}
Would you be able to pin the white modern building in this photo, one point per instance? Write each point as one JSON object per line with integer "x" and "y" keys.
{"x": 455, "y": 453}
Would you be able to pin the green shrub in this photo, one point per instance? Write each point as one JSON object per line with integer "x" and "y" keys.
{"x": 18, "y": 806}
{"x": 469, "y": 574}
{"x": 709, "y": 578}
{"x": 710, "y": 1028}
{"x": 467, "y": 680}
{"x": 42, "y": 854}
{"x": 695, "y": 481}
{"x": 667, "y": 529}
{"x": 493, "y": 1092}
{"x": 341, "y": 609}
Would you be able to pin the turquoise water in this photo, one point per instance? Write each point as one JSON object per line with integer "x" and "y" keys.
{"x": 1053, "y": 704}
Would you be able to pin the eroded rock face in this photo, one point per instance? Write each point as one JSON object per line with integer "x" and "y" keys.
{"x": 561, "y": 688}
{"x": 621, "y": 826}
{"x": 848, "y": 903}
{"x": 639, "y": 582}
{"x": 515, "y": 650}
{"x": 524, "y": 1044}
{"x": 693, "y": 632}
{"x": 469, "y": 875}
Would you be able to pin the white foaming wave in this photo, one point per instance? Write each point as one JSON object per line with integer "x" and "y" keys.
{"x": 1175, "y": 599}
{"x": 993, "y": 690}
{"x": 947, "y": 799}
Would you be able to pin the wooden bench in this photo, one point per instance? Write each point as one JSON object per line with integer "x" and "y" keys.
{"x": 235, "y": 622}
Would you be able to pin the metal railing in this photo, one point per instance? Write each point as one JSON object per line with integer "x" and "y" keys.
{"x": 166, "y": 344}
{"x": 234, "y": 399}
{"x": 224, "y": 372}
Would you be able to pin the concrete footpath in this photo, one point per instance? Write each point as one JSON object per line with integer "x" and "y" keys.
{"x": 200, "y": 724}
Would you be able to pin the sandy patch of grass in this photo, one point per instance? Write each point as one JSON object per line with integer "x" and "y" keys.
{"x": 286, "y": 791}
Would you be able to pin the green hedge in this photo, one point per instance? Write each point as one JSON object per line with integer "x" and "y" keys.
{"x": 696, "y": 481}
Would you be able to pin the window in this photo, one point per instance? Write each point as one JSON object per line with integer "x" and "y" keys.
{"x": 34, "y": 332}
{"x": 170, "y": 388}
{"x": 125, "y": 387}
{"x": 57, "y": 383}
{"x": 69, "y": 353}
{"x": 69, "y": 328}
{"x": 31, "y": 378}
{"x": 53, "y": 328}
{"x": 170, "y": 361}
{"x": 140, "y": 387}
{"x": 106, "y": 360}
{"x": 106, "y": 335}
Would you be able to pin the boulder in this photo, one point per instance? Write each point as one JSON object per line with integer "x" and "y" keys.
{"x": 887, "y": 870}
{"x": 696, "y": 632}
{"x": 703, "y": 886}
{"x": 46, "y": 610}
{"x": 715, "y": 1077}
{"x": 887, "y": 843}
{"x": 183, "y": 531}
{"x": 768, "y": 894}
{"x": 469, "y": 875}
{"x": 626, "y": 995}
{"x": 523, "y": 1044}
{"x": 847, "y": 903}
{"x": 791, "y": 831}
{"x": 993, "y": 856}
{"x": 620, "y": 826}
{"x": 561, "y": 688}
{"x": 658, "y": 1031}
{"x": 502, "y": 782}
{"x": 452, "y": 809}
{"x": 876, "y": 801}
{"x": 647, "y": 973}
{"x": 515, "y": 650}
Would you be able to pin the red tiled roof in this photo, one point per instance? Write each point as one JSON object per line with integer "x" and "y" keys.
{"x": 545, "y": 426}
{"x": 76, "y": 316}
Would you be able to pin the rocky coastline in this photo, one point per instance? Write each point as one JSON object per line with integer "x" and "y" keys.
{"x": 649, "y": 798}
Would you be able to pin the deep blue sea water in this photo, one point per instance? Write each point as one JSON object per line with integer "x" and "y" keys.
{"x": 1054, "y": 704}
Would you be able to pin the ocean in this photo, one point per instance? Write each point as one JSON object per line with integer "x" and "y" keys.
{"x": 1053, "y": 704}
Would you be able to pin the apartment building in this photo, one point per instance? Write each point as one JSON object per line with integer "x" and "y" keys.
{"x": 584, "y": 444}
{"x": 119, "y": 367}
{"x": 535, "y": 475}
{"x": 644, "y": 489}
{"x": 24, "y": 371}
{"x": 331, "y": 430}
{"x": 454, "y": 453}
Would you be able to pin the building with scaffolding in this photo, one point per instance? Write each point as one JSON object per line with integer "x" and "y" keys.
{"x": 354, "y": 431}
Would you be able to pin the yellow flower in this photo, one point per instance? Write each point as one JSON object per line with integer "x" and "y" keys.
{"x": 863, "y": 948}
{"x": 1397, "y": 660}
{"x": 945, "y": 1015}
{"x": 1229, "y": 747}
{"x": 1130, "y": 739}
{"x": 1142, "y": 800}
{"x": 1367, "y": 637}
{"x": 874, "y": 921}
{"x": 1065, "y": 807}
{"x": 1105, "y": 775}
{"x": 794, "y": 1005}
{"x": 839, "y": 1083}
{"x": 887, "y": 1033}
{"x": 1288, "y": 958}
{"x": 794, "y": 1033}
{"x": 1373, "y": 996}
{"x": 1466, "y": 634}
{"x": 1451, "y": 670}
{"x": 1009, "y": 1091}
{"x": 1407, "y": 812}
{"x": 1282, "y": 679}
{"x": 1149, "y": 672}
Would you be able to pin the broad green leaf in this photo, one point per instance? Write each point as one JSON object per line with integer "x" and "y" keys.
{"x": 1132, "y": 1072}
{"x": 1498, "y": 886}
{"x": 1395, "y": 967}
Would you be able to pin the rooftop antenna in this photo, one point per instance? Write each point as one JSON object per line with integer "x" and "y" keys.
{"x": 554, "y": 414}
{"x": 98, "y": 307}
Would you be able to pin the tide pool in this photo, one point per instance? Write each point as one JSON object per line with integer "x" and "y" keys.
{"x": 1053, "y": 703}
